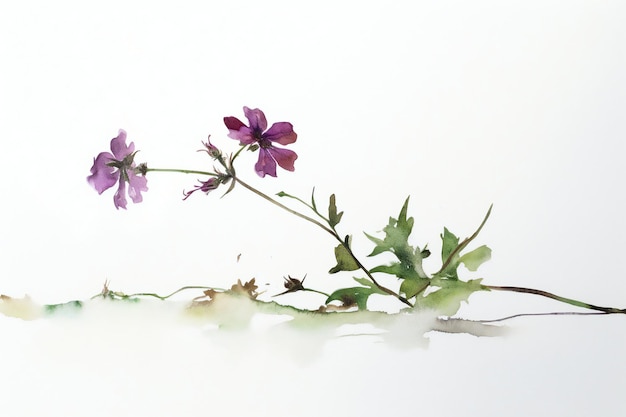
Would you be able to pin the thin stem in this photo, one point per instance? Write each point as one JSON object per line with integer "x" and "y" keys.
{"x": 553, "y": 313}
{"x": 463, "y": 244}
{"x": 313, "y": 208}
{"x": 182, "y": 171}
{"x": 282, "y": 206}
{"x": 328, "y": 230}
{"x": 369, "y": 275}
{"x": 316, "y": 291}
{"x": 569, "y": 301}
{"x": 105, "y": 292}
{"x": 164, "y": 297}
{"x": 232, "y": 159}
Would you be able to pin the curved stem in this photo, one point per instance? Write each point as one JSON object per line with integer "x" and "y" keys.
{"x": 232, "y": 159}
{"x": 569, "y": 301}
{"x": 328, "y": 230}
{"x": 316, "y": 291}
{"x": 282, "y": 206}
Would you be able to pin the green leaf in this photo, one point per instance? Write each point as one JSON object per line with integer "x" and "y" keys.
{"x": 451, "y": 261}
{"x": 474, "y": 259}
{"x": 313, "y": 200}
{"x": 449, "y": 243}
{"x": 333, "y": 217}
{"x": 447, "y": 299}
{"x": 397, "y": 232}
{"x": 366, "y": 282}
{"x": 345, "y": 261}
{"x": 411, "y": 287}
{"x": 352, "y": 296}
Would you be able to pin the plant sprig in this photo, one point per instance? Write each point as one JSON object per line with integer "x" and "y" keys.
{"x": 442, "y": 290}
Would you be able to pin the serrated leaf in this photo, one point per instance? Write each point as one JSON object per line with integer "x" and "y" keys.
{"x": 380, "y": 245}
{"x": 345, "y": 261}
{"x": 333, "y": 217}
{"x": 397, "y": 233}
{"x": 352, "y": 296}
{"x": 405, "y": 224}
{"x": 474, "y": 259}
{"x": 447, "y": 299}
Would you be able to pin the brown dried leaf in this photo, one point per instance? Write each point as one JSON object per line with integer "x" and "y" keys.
{"x": 248, "y": 289}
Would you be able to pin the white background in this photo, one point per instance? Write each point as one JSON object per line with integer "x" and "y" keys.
{"x": 458, "y": 104}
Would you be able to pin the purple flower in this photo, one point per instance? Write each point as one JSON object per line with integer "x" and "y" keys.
{"x": 119, "y": 167}
{"x": 205, "y": 186}
{"x": 256, "y": 133}
{"x": 211, "y": 149}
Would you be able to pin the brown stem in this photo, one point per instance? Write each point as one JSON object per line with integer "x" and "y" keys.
{"x": 610, "y": 310}
{"x": 463, "y": 244}
{"x": 552, "y": 313}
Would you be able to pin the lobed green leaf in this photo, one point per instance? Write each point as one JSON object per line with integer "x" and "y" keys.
{"x": 345, "y": 261}
{"x": 397, "y": 234}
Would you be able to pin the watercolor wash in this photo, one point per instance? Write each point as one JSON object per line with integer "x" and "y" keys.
{"x": 432, "y": 300}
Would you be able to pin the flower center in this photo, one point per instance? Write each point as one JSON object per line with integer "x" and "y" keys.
{"x": 264, "y": 143}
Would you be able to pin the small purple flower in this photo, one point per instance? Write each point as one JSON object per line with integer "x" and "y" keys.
{"x": 205, "y": 186}
{"x": 256, "y": 133}
{"x": 119, "y": 167}
{"x": 211, "y": 149}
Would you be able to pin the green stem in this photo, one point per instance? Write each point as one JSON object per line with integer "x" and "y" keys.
{"x": 332, "y": 232}
{"x": 609, "y": 310}
{"x": 282, "y": 206}
{"x": 106, "y": 292}
{"x": 316, "y": 291}
{"x": 232, "y": 159}
{"x": 182, "y": 171}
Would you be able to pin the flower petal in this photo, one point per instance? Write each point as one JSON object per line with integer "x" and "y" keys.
{"x": 284, "y": 157}
{"x": 119, "y": 199}
{"x": 137, "y": 184}
{"x": 119, "y": 148}
{"x": 102, "y": 176}
{"x": 256, "y": 118}
{"x": 266, "y": 164}
{"x": 281, "y": 132}
{"x": 232, "y": 123}
{"x": 244, "y": 135}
